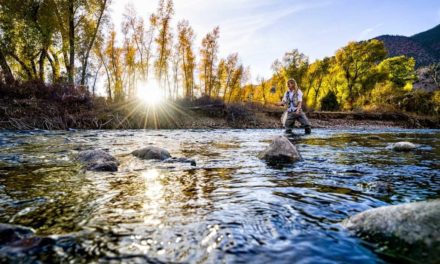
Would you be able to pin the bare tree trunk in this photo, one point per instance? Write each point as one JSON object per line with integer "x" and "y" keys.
{"x": 23, "y": 65}
{"x": 41, "y": 63}
{"x": 89, "y": 48}
{"x": 9, "y": 77}
{"x": 55, "y": 65}
{"x": 71, "y": 69}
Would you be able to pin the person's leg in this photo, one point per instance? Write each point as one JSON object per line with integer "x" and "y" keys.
{"x": 290, "y": 121}
{"x": 305, "y": 123}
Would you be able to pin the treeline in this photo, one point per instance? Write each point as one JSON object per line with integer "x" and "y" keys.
{"x": 358, "y": 77}
{"x": 74, "y": 42}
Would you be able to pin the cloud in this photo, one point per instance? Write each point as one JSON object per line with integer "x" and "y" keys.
{"x": 366, "y": 33}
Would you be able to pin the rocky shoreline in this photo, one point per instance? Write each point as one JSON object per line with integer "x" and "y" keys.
{"x": 39, "y": 114}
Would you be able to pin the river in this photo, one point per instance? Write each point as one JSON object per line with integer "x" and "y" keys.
{"x": 230, "y": 208}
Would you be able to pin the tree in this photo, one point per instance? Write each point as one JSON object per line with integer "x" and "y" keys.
{"x": 356, "y": 60}
{"x": 295, "y": 65}
{"x": 91, "y": 24}
{"x": 163, "y": 39}
{"x": 434, "y": 73}
{"x": 230, "y": 67}
{"x": 133, "y": 28}
{"x": 316, "y": 75}
{"x": 399, "y": 70}
{"x": 262, "y": 89}
{"x": 114, "y": 62}
{"x": 185, "y": 49}
{"x": 26, "y": 33}
{"x": 208, "y": 54}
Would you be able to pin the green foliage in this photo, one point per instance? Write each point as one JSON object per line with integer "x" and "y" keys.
{"x": 399, "y": 70}
{"x": 357, "y": 63}
{"x": 436, "y": 102}
{"x": 419, "y": 102}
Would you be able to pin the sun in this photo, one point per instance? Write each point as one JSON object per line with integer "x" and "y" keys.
{"x": 150, "y": 95}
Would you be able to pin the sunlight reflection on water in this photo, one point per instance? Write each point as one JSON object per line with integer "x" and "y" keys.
{"x": 231, "y": 207}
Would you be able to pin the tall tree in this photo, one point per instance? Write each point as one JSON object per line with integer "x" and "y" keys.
{"x": 356, "y": 60}
{"x": 185, "y": 48}
{"x": 295, "y": 65}
{"x": 208, "y": 59}
{"x": 92, "y": 24}
{"x": 164, "y": 39}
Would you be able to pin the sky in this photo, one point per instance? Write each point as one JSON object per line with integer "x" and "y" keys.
{"x": 261, "y": 31}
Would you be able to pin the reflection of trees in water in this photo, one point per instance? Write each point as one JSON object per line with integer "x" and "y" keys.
{"x": 51, "y": 199}
{"x": 181, "y": 196}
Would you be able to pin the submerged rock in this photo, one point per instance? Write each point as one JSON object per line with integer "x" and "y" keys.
{"x": 15, "y": 238}
{"x": 380, "y": 186}
{"x": 13, "y": 233}
{"x": 98, "y": 160}
{"x": 403, "y": 146}
{"x": 374, "y": 137}
{"x": 152, "y": 153}
{"x": 281, "y": 150}
{"x": 181, "y": 160}
{"x": 19, "y": 244}
{"x": 412, "y": 229}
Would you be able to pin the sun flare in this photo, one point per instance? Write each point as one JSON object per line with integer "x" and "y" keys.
{"x": 150, "y": 95}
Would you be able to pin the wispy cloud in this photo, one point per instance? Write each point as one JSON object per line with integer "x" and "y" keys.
{"x": 366, "y": 33}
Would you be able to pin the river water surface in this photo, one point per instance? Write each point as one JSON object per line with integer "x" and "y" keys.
{"x": 230, "y": 208}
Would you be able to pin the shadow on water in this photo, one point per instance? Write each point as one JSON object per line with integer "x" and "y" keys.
{"x": 231, "y": 207}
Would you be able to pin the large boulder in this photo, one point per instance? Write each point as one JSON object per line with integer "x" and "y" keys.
{"x": 411, "y": 229}
{"x": 152, "y": 153}
{"x": 403, "y": 146}
{"x": 98, "y": 160}
{"x": 281, "y": 150}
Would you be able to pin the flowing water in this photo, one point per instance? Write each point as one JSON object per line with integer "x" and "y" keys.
{"x": 230, "y": 208}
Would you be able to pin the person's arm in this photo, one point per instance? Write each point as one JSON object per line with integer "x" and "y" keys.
{"x": 299, "y": 108}
{"x": 283, "y": 101}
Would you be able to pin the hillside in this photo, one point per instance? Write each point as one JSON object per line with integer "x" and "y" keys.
{"x": 430, "y": 38}
{"x": 424, "y": 47}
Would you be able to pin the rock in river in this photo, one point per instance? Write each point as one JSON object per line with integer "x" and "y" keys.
{"x": 281, "y": 150}
{"x": 413, "y": 228}
{"x": 14, "y": 238}
{"x": 403, "y": 146}
{"x": 98, "y": 160}
{"x": 152, "y": 153}
{"x": 13, "y": 233}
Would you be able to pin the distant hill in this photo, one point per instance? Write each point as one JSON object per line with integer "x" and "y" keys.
{"x": 430, "y": 38}
{"x": 423, "y": 47}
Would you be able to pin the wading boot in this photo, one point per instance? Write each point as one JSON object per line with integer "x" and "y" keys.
{"x": 307, "y": 130}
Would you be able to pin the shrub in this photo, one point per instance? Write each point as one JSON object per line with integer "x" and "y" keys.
{"x": 418, "y": 101}
{"x": 329, "y": 102}
{"x": 66, "y": 94}
{"x": 200, "y": 101}
{"x": 239, "y": 113}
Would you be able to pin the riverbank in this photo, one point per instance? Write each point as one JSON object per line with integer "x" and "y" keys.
{"x": 23, "y": 114}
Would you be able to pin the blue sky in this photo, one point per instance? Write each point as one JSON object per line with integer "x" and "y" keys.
{"x": 263, "y": 30}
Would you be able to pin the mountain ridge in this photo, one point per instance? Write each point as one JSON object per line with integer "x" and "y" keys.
{"x": 424, "y": 47}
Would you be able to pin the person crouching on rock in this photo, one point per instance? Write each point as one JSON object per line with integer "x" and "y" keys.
{"x": 293, "y": 99}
